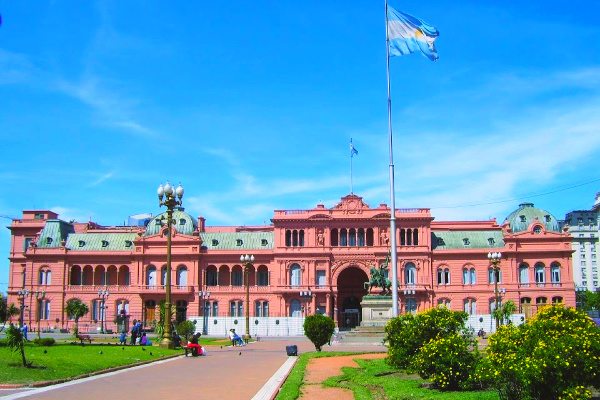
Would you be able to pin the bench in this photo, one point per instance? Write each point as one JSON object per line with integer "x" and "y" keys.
{"x": 194, "y": 350}
{"x": 83, "y": 338}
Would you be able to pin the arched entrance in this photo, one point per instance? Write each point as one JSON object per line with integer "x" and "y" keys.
{"x": 350, "y": 285}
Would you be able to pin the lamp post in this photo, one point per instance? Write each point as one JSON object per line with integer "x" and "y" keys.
{"x": 21, "y": 294}
{"x": 39, "y": 297}
{"x": 306, "y": 295}
{"x": 204, "y": 296}
{"x": 247, "y": 261}
{"x": 170, "y": 198}
{"x": 579, "y": 297}
{"x": 103, "y": 294}
{"x": 495, "y": 258}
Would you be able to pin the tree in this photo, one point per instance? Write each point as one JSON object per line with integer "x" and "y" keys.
{"x": 554, "y": 355}
{"x": 76, "y": 308}
{"x": 318, "y": 329}
{"x": 3, "y": 308}
{"x": 186, "y": 329}
{"x": 16, "y": 342}
{"x": 160, "y": 325}
{"x": 591, "y": 300}
{"x": 407, "y": 333}
{"x": 12, "y": 311}
{"x": 503, "y": 313}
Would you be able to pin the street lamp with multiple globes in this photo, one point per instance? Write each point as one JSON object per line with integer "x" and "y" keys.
{"x": 580, "y": 297}
{"x": 204, "y": 296}
{"x": 39, "y": 297}
{"x": 169, "y": 197}
{"x": 103, "y": 294}
{"x": 495, "y": 258}
{"x": 306, "y": 295}
{"x": 22, "y": 294}
{"x": 247, "y": 261}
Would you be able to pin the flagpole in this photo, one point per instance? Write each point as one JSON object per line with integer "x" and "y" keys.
{"x": 351, "y": 157}
{"x": 393, "y": 249}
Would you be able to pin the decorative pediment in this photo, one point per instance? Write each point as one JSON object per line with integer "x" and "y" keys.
{"x": 321, "y": 216}
{"x": 352, "y": 204}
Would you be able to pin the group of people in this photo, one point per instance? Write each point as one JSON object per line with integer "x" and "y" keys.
{"x": 138, "y": 336}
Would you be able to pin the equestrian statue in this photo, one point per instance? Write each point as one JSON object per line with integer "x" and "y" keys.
{"x": 378, "y": 278}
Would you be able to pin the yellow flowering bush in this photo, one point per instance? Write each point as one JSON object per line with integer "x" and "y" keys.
{"x": 449, "y": 361}
{"x": 555, "y": 355}
{"x": 407, "y": 333}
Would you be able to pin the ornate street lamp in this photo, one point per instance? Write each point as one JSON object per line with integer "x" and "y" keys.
{"x": 22, "y": 294}
{"x": 39, "y": 296}
{"x": 247, "y": 262}
{"x": 103, "y": 294}
{"x": 495, "y": 258}
{"x": 204, "y": 296}
{"x": 169, "y": 197}
{"x": 579, "y": 297}
{"x": 306, "y": 295}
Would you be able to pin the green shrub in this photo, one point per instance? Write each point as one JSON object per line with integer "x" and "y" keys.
{"x": 449, "y": 361}
{"x": 318, "y": 328}
{"x": 407, "y": 333}
{"x": 186, "y": 329}
{"x": 555, "y": 355}
{"x": 47, "y": 341}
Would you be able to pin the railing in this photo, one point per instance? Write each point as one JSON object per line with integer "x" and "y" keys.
{"x": 95, "y": 288}
{"x": 227, "y": 288}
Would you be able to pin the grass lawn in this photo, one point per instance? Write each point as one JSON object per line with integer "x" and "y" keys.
{"x": 375, "y": 379}
{"x": 66, "y": 360}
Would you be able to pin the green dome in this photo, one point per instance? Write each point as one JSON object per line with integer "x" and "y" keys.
{"x": 182, "y": 222}
{"x": 525, "y": 215}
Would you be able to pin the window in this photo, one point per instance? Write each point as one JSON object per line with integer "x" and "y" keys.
{"x": 236, "y": 308}
{"x": 239, "y": 242}
{"x": 352, "y": 237}
{"x": 557, "y": 300}
{"x": 49, "y": 240}
{"x": 493, "y": 305}
{"x": 45, "y": 309}
{"x": 45, "y": 277}
{"x": 181, "y": 221}
{"x": 491, "y": 242}
{"x": 151, "y": 276}
{"x": 215, "y": 309}
{"x": 591, "y": 221}
{"x": 470, "y": 306}
{"x": 522, "y": 218}
{"x": 211, "y": 276}
{"x": 261, "y": 308}
{"x": 444, "y": 303}
{"x": 262, "y": 276}
{"x": 105, "y": 243}
{"x": 27, "y": 243}
{"x": 580, "y": 221}
{"x": 343, "y": 237}
{"x": 494, "y": 275}
{"x": 548, "y": 218}
{"x": 321, "y": 279}
{"x": 524, "y": 273}
{"x": 555, "y": 273}
{"x": 441, "y": 242}
{"x": 38, "y": 216}
{"x": 540, "y": 273}
{"x": 295, "y": 275}
{"x": 443, "y": 276}
{"x": 237, "y": 278}
{"x": 410, "y": 274}
{"x": 81, "y": 243}
{"x": 583, "y": 263}
{"x": 361, "y": 237}
{"x": 583, "y": 283}
{"x": 583, "y": 273}
{"x": 583, "y": 256}
{"x": 466, "y": 242}
{"x": 537, "y": 229}
{"x": 181, "y": 279}
{"x": 128, "y": 243}
{"x": 214, "y": 242}
{"x": 123, "y": 306}
{"x": 410, "y": 305}
{"x": 264, "y": 242}
{"x": 295, "y": 308}
{"x": 466, "y": 277}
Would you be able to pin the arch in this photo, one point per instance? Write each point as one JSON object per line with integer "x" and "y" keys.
{"x": 124, "y": 277}
{"x": 88, "y": 275}
{"x": 182, "y": 276}
{"x": 237, "y": 276}
{"x": 45, "y": 275}
{"x": 334, "y": 237}
{"x": 360, "y": 239}
{"x": 415, "y": 237}
{"x": 163, "y": 275}
{"x": 295, "y": 308}
{"x": 100, "y": 275}
{"x": 350, "y": 284}
{"x": 288, "y": 238}
{"x": 524, "y": 273}
{"x": 540, "y": 273}
{"x": 295, "y": 275}
{"x": 75, "y": 278}
{"x": 111, "y": 275}
{"x": 262, "y": 276}
{"x": 410, "y": 274}
{"x": 409, "y": 237}
{"x": 555, "y": 272}
{"x": 294, "y": 238}
{"x": 343, "y": 237}
{"x": 557, "y": 300}
{"x": 352, "y": 237}
{"x": 402, "y": 237}
{"x": 211, "y": 276}
{"x": 151, "y": 275}
{"x": 370, "y": 237}
{"x": 224, "y": 276}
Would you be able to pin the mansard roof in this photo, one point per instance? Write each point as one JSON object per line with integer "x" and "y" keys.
{"x": 182, "y": 222}
{"x": 476, "y": 240}
{"x": 526, "y": 214}
{"x": 53, "y": 233}
{"x": 261, "y": 240}
{"x": 101, "y": 241}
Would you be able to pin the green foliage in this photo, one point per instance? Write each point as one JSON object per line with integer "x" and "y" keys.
{"x": 3, "y": 308}
{"x": 16, "y": 342}
{"x": 160, "y": 325}
{"x": 448, "y": 361}
{"x": 186, "y": 329}
{"x": 407, "y": 333}
{"x": 554, "y": 355}
{"x": 47, "y": 341}
{"x": 12, "y": 311}
{"x": 318, "y": 328}
{"x": 591, "y": 300}
{"x": 76, "y": 308}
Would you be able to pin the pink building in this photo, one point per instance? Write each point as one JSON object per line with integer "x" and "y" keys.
{"x": 326, "y": 251}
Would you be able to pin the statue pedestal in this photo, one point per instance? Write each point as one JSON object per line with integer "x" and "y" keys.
{"x": 376, "y": 310}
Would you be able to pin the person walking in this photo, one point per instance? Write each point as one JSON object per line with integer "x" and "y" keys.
{"x": 24, "y": 330}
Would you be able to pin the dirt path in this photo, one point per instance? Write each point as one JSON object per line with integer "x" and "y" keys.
{"x": 319, "y": 369}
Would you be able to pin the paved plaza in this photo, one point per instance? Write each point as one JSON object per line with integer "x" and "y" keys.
{"x": 229, "y": 372}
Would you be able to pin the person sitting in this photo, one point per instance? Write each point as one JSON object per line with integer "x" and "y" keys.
{"x": 176, "y": 340}
{"x": 145, "y": 341}
{"x": 193, "y": 344}
{"x": 235, "y": 338}
{"x": 123, "y": 338}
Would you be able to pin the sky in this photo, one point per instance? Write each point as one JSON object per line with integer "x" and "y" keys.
{"x": 252, "y": 105}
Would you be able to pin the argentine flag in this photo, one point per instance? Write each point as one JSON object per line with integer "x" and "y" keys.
{"x": 353, "y": 151}
{"x": 407, "y": 34}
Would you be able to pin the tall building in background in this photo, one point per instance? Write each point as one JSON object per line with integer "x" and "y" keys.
{"x": 583, "y": 225}
{"x": 306, "y": 261}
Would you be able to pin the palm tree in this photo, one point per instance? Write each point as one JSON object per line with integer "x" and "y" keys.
{"x": 12, "y": 311}
{"x": 76, "y": 308}
{"x": 508, "y": 309}
{"x": 16, "y": 341}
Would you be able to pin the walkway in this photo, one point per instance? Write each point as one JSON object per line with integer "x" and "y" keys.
{"x": 229, "y": 372}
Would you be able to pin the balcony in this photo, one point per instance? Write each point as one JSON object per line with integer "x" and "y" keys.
{"x": 238, "y": 289}
{"x": 95, "y": 288}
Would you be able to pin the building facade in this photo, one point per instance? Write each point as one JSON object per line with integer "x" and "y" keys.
{"x": 327, "y": 251}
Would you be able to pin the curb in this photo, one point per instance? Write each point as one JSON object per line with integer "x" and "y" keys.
{"x": 101, "y": 372}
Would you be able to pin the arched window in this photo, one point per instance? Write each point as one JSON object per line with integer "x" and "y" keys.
{"x": 45, "y": 276}
{"x": 410, "y": 305}
{"x": 261, "y": 308}
{"x": 402, "y": 237}
{"x": 493, "y": 305}
{"x": 494, "y": 275}
{"x": 334, "y": 237}
{"x": 44, "y": 309}
{"x": 540, "y": 273}
{"x": 541, "y": 301}
{"x": 211, "y": 275}
{"x": 343, "y": 237}
{"x": 524, "y": 273}
{"x": 443, "y": 276}
{"x": 473, "y": 276}
{"x": 262, "y": 276}
{"x": 295, "y": 238}
{"x": 295, "y": 308}
{"x": 466, "y": 277}
{"x": 295, "y": 275}
{"x": 123, "y": 307}
{"x": 352, "y": 237}
{"x": 182, "y": 275}
{"x": 301, "y": 238}
{"x": 237, "y": 276}
{"x": 557, "y": 300}
{"x": 163, "y": 275}
{"x": 151, "y": 276}
{"x": 370, "y": 237}
{"x": 288, "y": 238}
{"x": 361, "y": 237}
{"x": 444, "y": 303}
{"x": 470, "y": 306}
{"x": 410, "y": 274}
{"x": 415, "y": 237}
{"x": 555, "y": 272}
{"x": 409, "y": 237}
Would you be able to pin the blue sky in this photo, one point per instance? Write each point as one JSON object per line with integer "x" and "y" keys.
{"x": 251, "y": 106}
